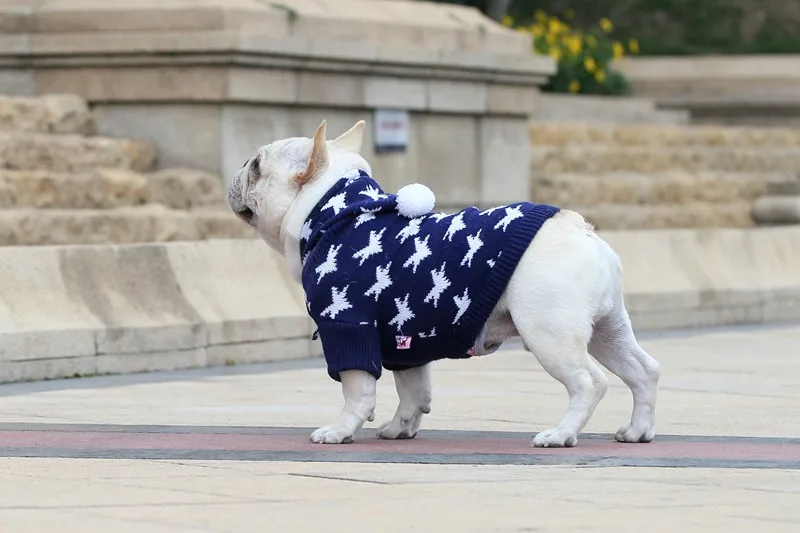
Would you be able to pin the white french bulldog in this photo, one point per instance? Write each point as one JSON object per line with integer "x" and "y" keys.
{"x": 564, "y": 296}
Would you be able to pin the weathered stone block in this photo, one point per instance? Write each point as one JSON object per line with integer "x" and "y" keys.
{"x": 151, "y": 362}
{"x": 71, "y": 153}
{"x": 694, "y": 215}
{"x": 46, "y": 344}
{"x": 185, "y": 188}
{"x": 146, "y": 338}
{"x": 777, "y": 210}
{"x": 47, "y": 114}
{"x": 99, "y": 189}
{"x": 645, "y": 159}
{"x": 38, "y": 369}
{"x": 647, "y": 189}
{"x": 259, "y": 352}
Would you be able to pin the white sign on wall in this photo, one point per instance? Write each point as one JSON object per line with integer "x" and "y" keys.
{"x": 390, "y": 130}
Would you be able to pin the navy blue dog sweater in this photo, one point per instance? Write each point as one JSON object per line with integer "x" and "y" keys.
{"x": 393, "y": 292}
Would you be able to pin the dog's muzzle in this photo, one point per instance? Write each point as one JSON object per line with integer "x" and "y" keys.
{"x": 236, "y": 201}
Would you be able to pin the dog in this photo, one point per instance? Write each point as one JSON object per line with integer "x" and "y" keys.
{"x": 561, "y": 291}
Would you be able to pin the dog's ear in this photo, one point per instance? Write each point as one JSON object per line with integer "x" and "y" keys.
{"x": 351, "y": 140}
{"x": 319, "y": 157}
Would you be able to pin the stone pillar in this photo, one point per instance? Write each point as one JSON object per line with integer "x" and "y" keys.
{"x": 209, "y": 83}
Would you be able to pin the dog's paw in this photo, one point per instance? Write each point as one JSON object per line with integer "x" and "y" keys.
{"x": 398, "y": 428}
{"x": 332, "y": 434}
{"x": 634, "y": 433}
{"x": 554, "y": 438}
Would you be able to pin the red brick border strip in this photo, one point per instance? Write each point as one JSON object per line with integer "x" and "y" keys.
{"x": 431, "y": 446}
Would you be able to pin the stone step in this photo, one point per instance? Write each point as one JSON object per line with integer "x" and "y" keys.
{"x": 694, "y": 215}
{"x": 598, "y": 159}
{"x": 107, "y": 188}
{"x": 56, "y": 113}
{"x": 649, "y": 189}
{"x": 73, "y": 153}
{"x": 662, "y": 135}
{"x": 147, "y": 223}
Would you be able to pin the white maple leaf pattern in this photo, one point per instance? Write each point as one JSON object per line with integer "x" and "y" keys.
{"x": 424, "y": 335}
{"x": 421, "y": 251}
{"x": 404, "y": 313}
{"x": 339, "y": 302}
{"x": 336, "y": 203}
{"x": 456, "y": 225}
{"x": 489, "y": 211}
{"x": 512, "y": 213}
{"x": 438, "y": 216}
{"x": 365, "y": 216}
{"x": 373, "y": 247}
{"x": 474, "y": 242}
{"x": 373, "y": 193}
{"x": 410, "y": 230}
{"x": 306, "y": 232}
{"x": 351, "y": 176}
{"x": 382, "y": 281}
{"x": 329, "y": 265}
{"x": 440, "y": 284}
{"x": 462, "y": 303}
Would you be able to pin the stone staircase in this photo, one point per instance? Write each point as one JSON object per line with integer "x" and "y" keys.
{"x": 661, "y": 176}
{"x": 61, "y": 184}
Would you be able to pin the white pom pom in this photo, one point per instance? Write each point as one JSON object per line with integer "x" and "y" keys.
{"x": 415, "y": 200}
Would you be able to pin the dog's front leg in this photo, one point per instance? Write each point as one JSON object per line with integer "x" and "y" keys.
{"x": 358, "y": 388}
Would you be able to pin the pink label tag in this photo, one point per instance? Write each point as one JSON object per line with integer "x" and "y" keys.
{"x": 403, "y": 343}
{"x": 471, "y": 351}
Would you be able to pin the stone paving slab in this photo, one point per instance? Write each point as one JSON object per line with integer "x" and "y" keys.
{"x": 728, "y": 411}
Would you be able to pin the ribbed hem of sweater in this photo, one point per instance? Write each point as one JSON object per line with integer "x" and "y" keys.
{"x": 483, "y": 304}
{"x": 350, "y": 347}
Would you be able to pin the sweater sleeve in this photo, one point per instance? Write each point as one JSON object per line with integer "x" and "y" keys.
{"x": 350, "y": 346}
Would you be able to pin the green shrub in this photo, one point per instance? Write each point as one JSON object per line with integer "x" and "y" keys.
{"x": 584, "y": 57}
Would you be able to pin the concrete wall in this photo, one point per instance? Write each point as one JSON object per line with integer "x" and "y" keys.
{"x": 744, "y": 90}
{"x": 134, "y": 308}
{"x": 210, "y": 82}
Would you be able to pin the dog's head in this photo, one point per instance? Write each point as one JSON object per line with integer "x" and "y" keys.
{"x": 276, "y": 189}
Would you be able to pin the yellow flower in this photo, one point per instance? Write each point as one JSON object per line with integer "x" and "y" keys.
{"x": 569, "y": 14}
{"x": 574, "y": 86}
{"x": 619, "y": 50}
{"x": 508, "y": 21}
{"x": 541, "y": 16}
{"x": 555, "y": 53}
{"x": 575, "y": 45}
{"x": 606, "y": 25}
{"x": 600, "y": 76}
{"x": 551, "y": 39}
{"x": 633, "y": 45}
{"x": 555, "y": 25}
{"x": 537, "y": 30}
{"x": 590, "y": 64}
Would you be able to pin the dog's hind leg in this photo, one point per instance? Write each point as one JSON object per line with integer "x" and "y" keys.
{"x": 553, "y": 297}
{"x": 614, "y": 345}
{"x": 566, "y": 359}
{"x": 414, "y": 390}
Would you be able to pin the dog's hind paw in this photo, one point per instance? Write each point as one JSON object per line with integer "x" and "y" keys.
{"x": 554, "y": 438}
{"x": 332, "y": 434}
{"x": 631, "y": 433}
{"x": 398, "y": 429}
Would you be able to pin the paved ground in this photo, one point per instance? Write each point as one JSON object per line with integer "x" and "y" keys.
{"x": 225, "y": 450}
